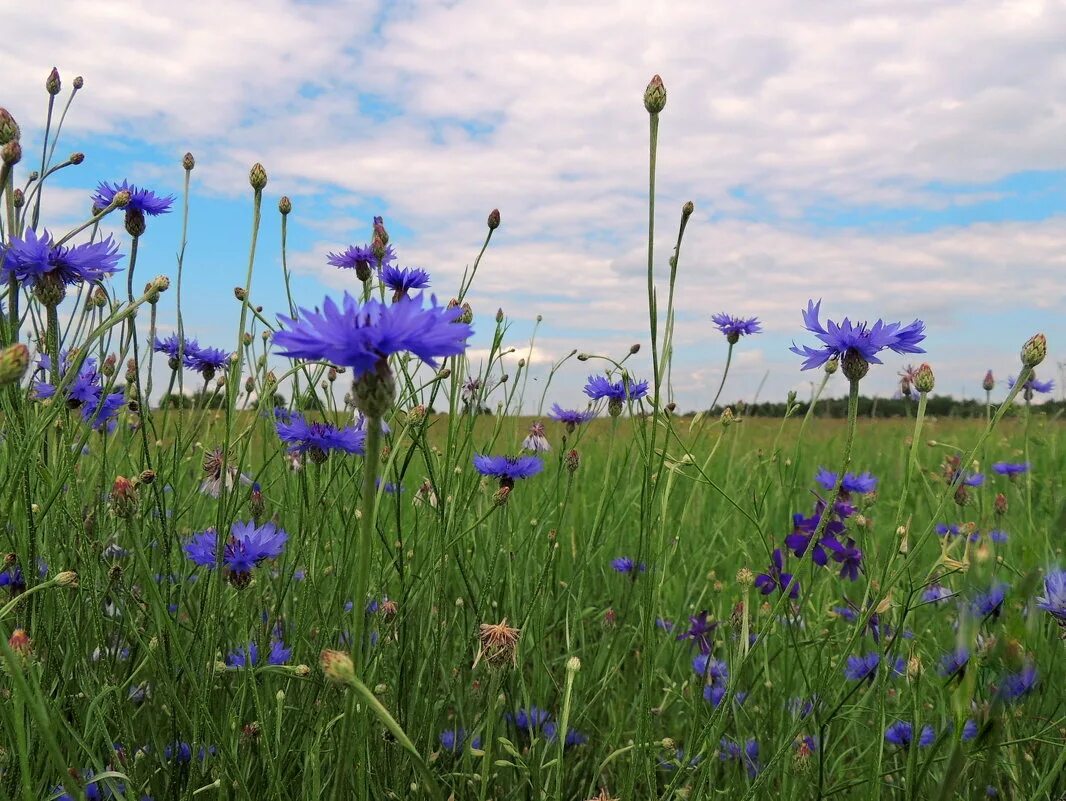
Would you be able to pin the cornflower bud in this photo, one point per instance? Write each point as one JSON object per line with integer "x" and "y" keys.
{"x": 494, "y": 219}
{"x": 18, "y": 198}
{"x": 9, "y": 129}
{"x": 1034, "y": 351}
{"x": 572, "y": 461}
{"x": 14, "y": 361}
{"x": 284, "y": 205}
{"x": 123, "y": 498}
{"x": 831, "y": 365}
{"x": 188, "y": 161}
{"x": 257, "y": 177}
{"x": 338, "y": 667}
{"x": 76, "y": 158}
{"x": 655, "y": 95}
{"x": 52, "y": 83}
{"x": 924, "y": 379}
{"x": 989, "y": 383}
{"x": 11, "y": 153}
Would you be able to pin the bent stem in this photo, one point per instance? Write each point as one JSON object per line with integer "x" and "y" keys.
{"x": 725, "y": 373}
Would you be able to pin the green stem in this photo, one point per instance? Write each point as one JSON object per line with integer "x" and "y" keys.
{"x": 725, "y": 372}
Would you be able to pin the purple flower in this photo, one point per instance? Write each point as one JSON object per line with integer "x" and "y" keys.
{"x": 848, "y": 556}
{"x": 859, "y": 483}
{"x": 205, "y": 361}
{"x": 1010, "y": 469}
{"x": 402, "y": 281}
{"x": 528, "y": 721}
{"x": 33, "y": 258}
{"x": 536, "y": 441}
{"x": 860, "y": 340}
{"x": 172, "y": 346}
{"x": 731, "y": 751}
{"x": 944, "y": 530}
{"x": 573, "y": 736}
{"x": 353, "y": 257}
{"x": 13, "y": 579}
{"x": 142, "y": 200}
{"x": 998, "y": 536}
{"x": 361, "y": 337}
{"x": 735, "y": 327}
{"x": 508, "y": 468}
{"x": 453, "y": 739}
{"x": 623, "y": 564}
{"x": 101, "y": 413}
{"x": 249, "y": 655}
{"x": 862, "y": 667}
{"x": 246, "y": 547}
{"x": 714, "y": 671}
{"x": 954, "y": 662}
{"x": 571, "y": 418}
{"x": 700, "y": 631}
{"x": 1033, "y": 385}
{"x": 775, "y": 578}
{"x": 936, "y": 593}
{"x": 1016, "y": 685}
{"x": 1054, "y": 599}
{"x": 989, "y": 604}
{"x": 969, "y": 730}
{"x": 318, "y": 438}
{"x": 901, "y": 733}
{"x": 599, "y": 387}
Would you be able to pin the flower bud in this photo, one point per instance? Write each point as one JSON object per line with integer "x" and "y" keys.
{"x": 52, "y": 83}
{"x": 239, "y": 293}
{"x": 21, "y": 644}
{"x": 1000, "y": 504}
{"x": 146, "y": 477}
{"x": 14, "y": 361}
{"x": 123, "y": 498}
{"x": 338, "y": 667}
{"x": 573, "y": 664}
{"x": 989, "y": 383}
{"x": 686, "y": 210}
{"x": 76, "y": 158}
{"x": 572, "y": 461}
{"x": 745, "y": 578}
{"x": 499, "y": 315}
{"x": 257, "y": 177}
{"x": 188, "y": 161}
{"x": 854, "y": 366}
{"x": 18, "y": 198}
{"x": 499, "y": 498}
{"x": 121, "y": 199}
{"x": 135, "y": 223}
{"x": 655, "y": 95}
{"x": 67, "y": 578}
{"x": 284, "y": 205}
{"x": 831, "y": 365}
{"x": 923, "y": 378}
{"x": 1034, "y": 351}
{"x": 11, "y": 153}
{"x": 9, "y": 129}
{"x": 494, "y": 219}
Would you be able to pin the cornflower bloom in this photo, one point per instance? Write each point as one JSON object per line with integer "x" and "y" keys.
{"x": 714, "y": 671}
{"x": 862, "y": 667}
{"x": 142, "y": 200}
{"x": 176, "y": 350}
{"x": 954, "y": 663}
{"x": 13, "y": 579}
{"x": 901, "y": 733}
{"x": 536, "y": 441}
{"x": 247, "y": 546}
{"x": 776, "y": 578}
{"x": 354, "y": 257}
{"x": 453, "y": 740}
{"x": 573, "y": 736}
{"x": 856, "y": 345}
{"x": 700, "y": 631}
{"x": 206, "y": 361}
{"x": 1010, "y": 469}
{"x": 936, "y": 593}
{"x": 1033, "y": 385}
{"x": 402, "y": 281}
{"x": 748, "y": 755}
{"x": 989, "y": 604}
{"x": 848, "y": 556}
{"x": 1053, "y": 601}
{"x": 34, "y": 260}
{"x": 508, "y": 468}
{"x": 599, "y": 387}
{"x": 528, "y": 721}
{"x": 249, "y": 655}
{"x": 1016, "y": 685}
{"x": 733, "y": 328}
{"x": 625, "y": 565}
{"x": 571, "y": 418}
{"x": 317, "y": 439}
{"x": 859, "y": 483}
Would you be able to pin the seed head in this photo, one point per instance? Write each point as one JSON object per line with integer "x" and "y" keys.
{"x": 572, "y": 461}
{"x": 498, "y": 644}
{"x": 1034, "y": 351}
{"x": 655, "y": 95}
{"x": 854, "y": 366}
{"x": 338, "y": 667}
{"x": 257, "y": 177}
{"x": 745, "y": 578}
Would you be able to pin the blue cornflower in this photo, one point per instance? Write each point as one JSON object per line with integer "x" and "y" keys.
{"x": 173, "y": 347}
{"x": 775, "y": 578}
{"x": 848, "y": 556}
{"x": 714, "y": 671}
{"x": 856, "y": 341}
{"x": 748, "y": 755}
{"x": 700, "y": 631}
{"x": 13, "y": 579}
{"x": 402, "y": 280}
{"x": 599, "y": 387}
{"x": 144, "y": 201}
{"x": 571, "y": 418}
{"x": 1033, "y": 385}
{"x": 623, "y": 564}
{"x": 528, "y": 721}
{"x": 954, "y": 662}
{"x": 353, "y": 257}
{"x": 205, "y": 361}
{"x": 998, "y": 536}
{"x": 317, "y": 439}
{"x": 249, "y": 655}
{"x": 862, "y": 667}
{"x": 677, "y": 760}
{"x": 1016, "y": 685}
{"x": 453, "y": 739}
{"x": 34, "y": 258}
{"x": 95, "y": 789}
{"x": 508, "y": 468}
{"x": 901, "y": 733}
{"x": 944, "y": 530}
{"x": 859, "y": 483}
{"x": 1010, "y": 469}
{"x": 989, "y": 604}
{"x": 969, "y": 730}
{"x": 735, "y": 327}
{"x": 246, "y": 547}
{"x": 1053, "y": 601}
{"x": 182, "y": 752}
{"x": 101, "y": 414}
{"x": 573, "y": 736}
{"x": 714, "y": 695}
{"x": 361, "y": 337}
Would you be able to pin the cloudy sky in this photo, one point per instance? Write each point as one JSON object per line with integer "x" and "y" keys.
{"x": 898, "y": 159}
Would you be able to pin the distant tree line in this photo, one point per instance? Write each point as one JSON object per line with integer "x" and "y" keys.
{"x": 937, "y": 406}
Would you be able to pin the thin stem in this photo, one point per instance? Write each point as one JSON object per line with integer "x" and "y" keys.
{"x": 725, "y": 372}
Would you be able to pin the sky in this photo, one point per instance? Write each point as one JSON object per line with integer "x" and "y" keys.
{"x": 898, "y": 160}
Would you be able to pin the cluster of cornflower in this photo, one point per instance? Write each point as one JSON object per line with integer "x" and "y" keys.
{"x": 83, "y": 391}
{"x": 206, "y": 361}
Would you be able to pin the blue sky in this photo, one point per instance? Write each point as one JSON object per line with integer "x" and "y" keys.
{"x": 896, "y": 160}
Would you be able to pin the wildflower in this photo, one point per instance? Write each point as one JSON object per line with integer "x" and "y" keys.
{"x": 249, "y": 655}
{"x": 1016, "y": 685}
{"x": 989, "y": 604}
{"x": 945, "y": 530}
{"x": 935, "y": 593}
{"x": 677, "y": 760}
{"x": 1010, "y": 469}
{"x": 901, "y": 733}
{"x": 528, "y": 721}
{"x": 205, "y": 361}
{"x": 856, "y": 345}
{"x": 714, "y": 671}
{"x": 1034, "y": 350}
{"x": 989, "y": 382}
{"x": 499, "y": 643}
{"x": 997, "y": 536}
{"x": 859, "y": 483}
{"x": 536, "y": 441}
{"x": 13, "y": 579}
{"x": 848, "y": 556}
{"x": 571, "y": 418}
{"x": 862, "y": 667}
{"x": 337, "y": 667}
{"x": 317, "y": 439}
{"x": 599, "y": 387}
{"x": 247, "y": 546}
{"x": 453, "y": 739}
{"x": 625, "y": 565}
{"x": 1033, "y": 385}
{"x": 508, "y": 468}
{"x": 141, "y": 200}
{"x": 362, "y": 337}
{"x": 735, "y": 327}
{"x": 402, "y": 281}
{"x": 954, "y": 663}
{"x": 213, "y": 474}
{"x": 573, "y": 736}
{"x": 94, "y": 789}
{"x": 34, "y": 260}
{"x": 355, "y": 257}
{"x": 748, "y": 755}
{"x": 700, "y": 631}
{"x": 775, "y": 578}
{"x": 1053, "y": 601}
{"x": 969, "y": 730}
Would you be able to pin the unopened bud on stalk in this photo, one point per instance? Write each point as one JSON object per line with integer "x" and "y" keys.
{"x": 121, "y": 199}
{"x": 257, "y": 177}
{"x": 572, "y": 461}
{"x": 284, "y": 205}
{"x": 686, "y": 210}
{"x": 494, "y": 219}
{"x": 655, "y": 95}
{"x": 249, "y": 385}
{"x": 989, "y": 383}
{"x": 123, "y": 498}
{"x": 239, "y": 293}
{"x": 188, "y": 161}
{"x": 1000, "y": 504}
{"x": 52, "y": 83}
{"x": 831, "y": 365}
{"x": 14, "y": 361}
{"x": 18, "y": 198}
{"x": 11, "y": 153}
{"x": 9, "y": 129}
{"x": 67, "y": 578}
{"x": 924, "y": 379}
{"x": 77, "y": 158}
{"x": 583, "y": 357}
{"x": 78, "y": 83}
{"x": 135, "y": 223}
{"x": 1034, "y": 351}
{"x": 146, "y": 477}
{"x": 499, "y": 315}
{"x": 338, "y": 667}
